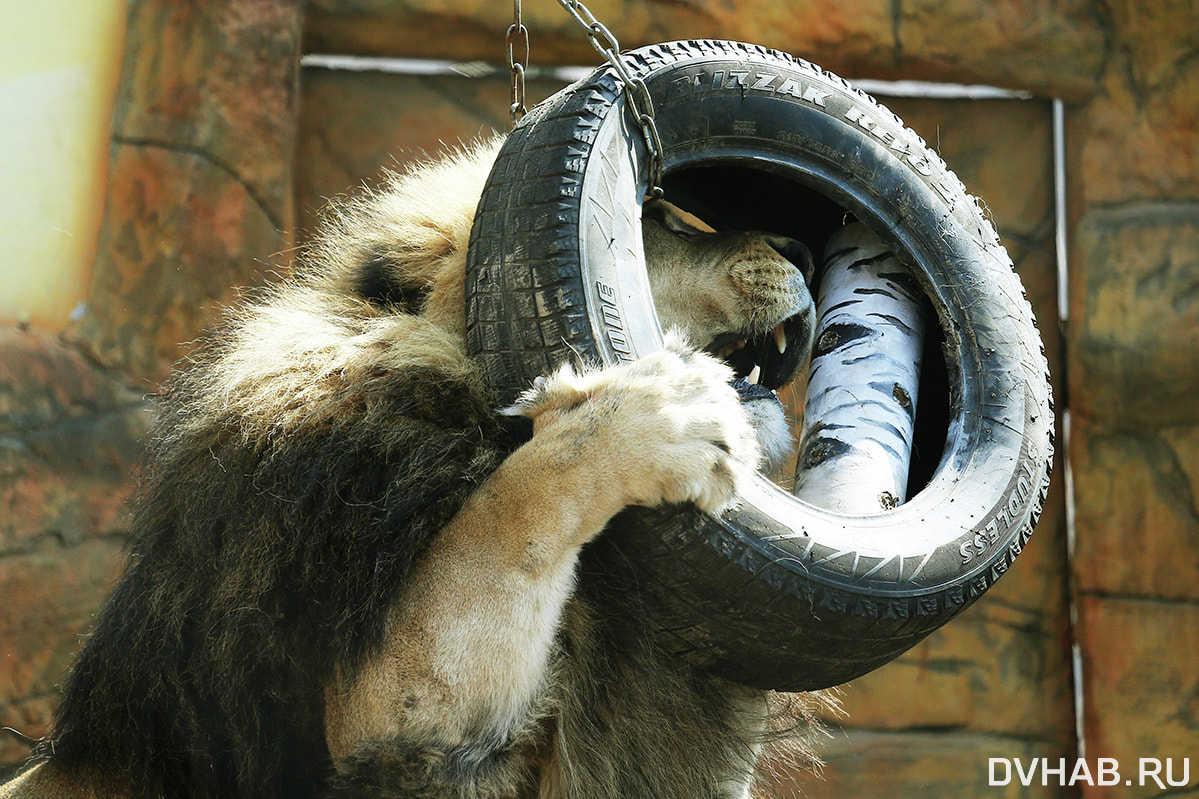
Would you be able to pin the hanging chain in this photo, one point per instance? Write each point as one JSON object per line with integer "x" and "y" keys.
{"x": 518, "y": 42}
{"x": 640, "y": 102}
{"x": 636, "y": 92}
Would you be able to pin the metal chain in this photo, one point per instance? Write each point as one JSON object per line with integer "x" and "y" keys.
{"x": 517, "y": 40}
{"x": 640, "y": 102}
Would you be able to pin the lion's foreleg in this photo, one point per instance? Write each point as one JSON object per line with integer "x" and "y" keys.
{"x": 470, "y": 641}
{"x": 471, "y": 638}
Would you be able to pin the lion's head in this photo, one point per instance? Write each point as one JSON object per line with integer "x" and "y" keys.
{"x": 742, "y": 296}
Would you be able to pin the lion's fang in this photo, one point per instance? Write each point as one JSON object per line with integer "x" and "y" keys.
{"x": 754, "y": 374}
{"x": 780, "y": 339}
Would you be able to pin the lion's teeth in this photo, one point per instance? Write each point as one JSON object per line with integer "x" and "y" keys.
{"x": 780, "y": 339}
{"x": 754, "y": 374}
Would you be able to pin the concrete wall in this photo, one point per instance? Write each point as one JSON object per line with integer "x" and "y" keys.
{"x": 220, "y": 147}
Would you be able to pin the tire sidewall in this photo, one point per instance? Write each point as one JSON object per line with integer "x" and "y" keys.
{"x": 812, "y": 577}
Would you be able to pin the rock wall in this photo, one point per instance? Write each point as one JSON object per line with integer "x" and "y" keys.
{"x": 1134, "y": 335}
{"x": 198, "y": 205}
{"x": 217, "y": 157}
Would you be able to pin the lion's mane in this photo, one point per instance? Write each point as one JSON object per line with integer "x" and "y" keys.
{"x": 300, "y": 463}
{"x": 297, "y": 467}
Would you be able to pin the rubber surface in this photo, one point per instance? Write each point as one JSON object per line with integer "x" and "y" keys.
{"x": 777, "y": 593}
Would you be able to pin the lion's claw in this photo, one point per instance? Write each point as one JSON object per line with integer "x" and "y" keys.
{"x": 668, "y": 426}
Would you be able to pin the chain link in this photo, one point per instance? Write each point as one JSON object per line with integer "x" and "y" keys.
{"x": 517, "y": 41}
{"x": 639, "y": 100}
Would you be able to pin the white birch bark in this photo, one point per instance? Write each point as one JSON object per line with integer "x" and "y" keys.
{"x": 861, "y": 399}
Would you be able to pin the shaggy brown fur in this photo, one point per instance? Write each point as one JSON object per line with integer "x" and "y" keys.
{"x": 347, "y": 580}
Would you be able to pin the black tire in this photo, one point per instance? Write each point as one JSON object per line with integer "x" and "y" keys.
{"x": 776, "y": 594}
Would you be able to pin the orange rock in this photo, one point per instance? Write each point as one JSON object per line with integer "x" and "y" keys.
{"x": 1135, "y": 315}
{"x": 1141, "y": 685}
{"x": 199, "y": 176}
{"x": 49, "y": 599}
{"x": 1135, "y": 511}
{"x": 72, "y": 441}
{"x": 179, "y": 237}
{"x": 353, "y": 125}
{"x": 1136, "y": 140}
{"x": 929, "y": 765}
{"x": 1055, "y": 51}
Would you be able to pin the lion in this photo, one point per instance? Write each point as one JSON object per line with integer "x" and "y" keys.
{"x": 350, "y": 578}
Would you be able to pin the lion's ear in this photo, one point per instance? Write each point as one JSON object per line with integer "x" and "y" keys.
{"x": 675, "y": 219}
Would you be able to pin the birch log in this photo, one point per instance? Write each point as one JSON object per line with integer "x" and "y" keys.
{"x": 856, "y": 444}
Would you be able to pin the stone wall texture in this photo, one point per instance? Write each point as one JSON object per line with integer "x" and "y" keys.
{"x": 223, "y": 151}
{"x": 198, "y": 206}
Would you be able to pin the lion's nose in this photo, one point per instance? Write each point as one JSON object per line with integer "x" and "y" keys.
{"x": 795, "y": 252}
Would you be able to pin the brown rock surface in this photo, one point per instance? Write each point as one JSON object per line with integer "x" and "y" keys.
{"x": 1142, "y": 687}
{"x": 1055, "y": 50}
{"x": 354, "y": 125}
{"x": 1137, "y": 518}
{"x": 474, "y": 30}
{"x": 199, "y": 183}
{"x": 1136, "y": 315}
{"x": 50, "y": 596}
{"x": 69, "y": 444}
{"x": 200, "y": 192}
{"x": 1138, "y": 139}
{"x": 927, "y": 765}
{"x": 1134, "y": 309}
{"x": 1142, "y": 128}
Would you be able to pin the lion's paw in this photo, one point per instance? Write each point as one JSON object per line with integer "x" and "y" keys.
{"x": 668, "y": 427}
